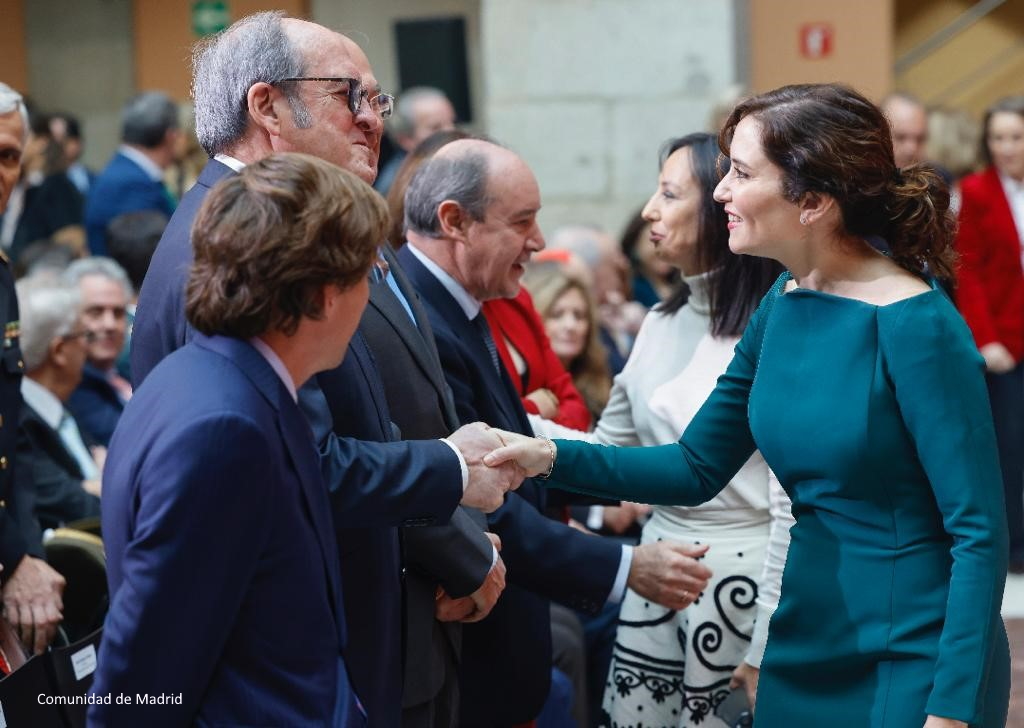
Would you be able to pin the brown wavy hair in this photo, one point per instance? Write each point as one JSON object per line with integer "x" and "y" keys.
{"x": 829, "y": 139}
{"x": 269, "y": 239}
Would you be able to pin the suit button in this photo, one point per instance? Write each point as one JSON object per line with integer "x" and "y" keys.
{"x": 3, "y": 504}
{"x": 21, "y": 364}
{"x": 1, "y": 420}
{"x": 3, "y": 462}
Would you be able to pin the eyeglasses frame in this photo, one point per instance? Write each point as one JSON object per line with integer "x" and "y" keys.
{"x": 355, "y": 100}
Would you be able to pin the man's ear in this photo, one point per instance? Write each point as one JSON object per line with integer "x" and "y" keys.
{"x": 57, "y": 351}
{"x": 453, "y": 219}
{"x": 260, "y": 101}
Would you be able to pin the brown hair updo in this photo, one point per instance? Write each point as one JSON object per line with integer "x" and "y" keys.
{"x": 827, "y": 138}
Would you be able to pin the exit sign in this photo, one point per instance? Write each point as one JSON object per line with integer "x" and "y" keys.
{"x": 817, "y": 40}
{"x": 210, "y": 16}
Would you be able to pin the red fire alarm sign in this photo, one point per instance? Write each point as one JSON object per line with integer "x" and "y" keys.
{"x": 816, "y": 40}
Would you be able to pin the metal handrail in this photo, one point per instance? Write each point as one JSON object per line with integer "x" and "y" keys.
{"x": 938, "y": 39}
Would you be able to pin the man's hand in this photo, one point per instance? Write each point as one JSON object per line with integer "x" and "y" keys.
{"x": 32, "y": 602}
{"x": 487, "y": 486}
{"x": 746, "y": 676}
{"x": 668, "y": 573}
{"x": 478, "y": 604}
{"x": 998, "y": 358}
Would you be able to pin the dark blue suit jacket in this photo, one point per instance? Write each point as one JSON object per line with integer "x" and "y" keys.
{"x": 506, "y": 658}
{"x": 375, "y": 485}
{"x": 123, "y": 186}
{"x": 221, "y": 559}
{"x": 96, "y": 405}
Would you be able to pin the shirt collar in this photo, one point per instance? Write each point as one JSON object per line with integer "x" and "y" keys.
{"x": 1011, "y": 187}
{"x": 228, "y": 161}
{"x": 469, "y": 305}
{"x": 43, "y": 401}
{"x": 276, "y": 364}
{"x": 150, "y": 167}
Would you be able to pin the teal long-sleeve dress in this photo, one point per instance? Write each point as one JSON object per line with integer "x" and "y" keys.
{"x": 876, "y": 421}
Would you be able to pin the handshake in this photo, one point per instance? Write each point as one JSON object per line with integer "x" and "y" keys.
{"x": 498, "y": 461}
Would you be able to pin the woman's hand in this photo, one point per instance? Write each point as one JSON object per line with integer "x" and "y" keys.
{"x": 746, "y": 675}
{"x": 546, "y": 401}
{"x": 532, "y": 454}
{"x": 934, "y": 721}
{"x": 998, "y": 359}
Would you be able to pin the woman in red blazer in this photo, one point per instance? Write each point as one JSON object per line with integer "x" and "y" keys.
{"x": 990, "y": 294}
{"x": 544, "y": 385}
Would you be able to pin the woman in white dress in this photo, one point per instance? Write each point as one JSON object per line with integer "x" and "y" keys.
{"x": 672, "y": 668}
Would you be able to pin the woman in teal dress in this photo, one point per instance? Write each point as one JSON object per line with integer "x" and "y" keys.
{"x": 861, "y": 386}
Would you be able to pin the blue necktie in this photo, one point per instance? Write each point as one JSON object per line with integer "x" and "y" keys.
{"x": 485, "y": 332}
{"x": 381, "y": 273}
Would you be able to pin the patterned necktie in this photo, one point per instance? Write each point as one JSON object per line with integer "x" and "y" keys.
{"x": 485, "y": 332}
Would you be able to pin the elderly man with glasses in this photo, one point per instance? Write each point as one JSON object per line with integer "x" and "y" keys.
{"x": 55, "y": 460}
{"x": 31, "y": 589}
{"x": 274, "y": 84}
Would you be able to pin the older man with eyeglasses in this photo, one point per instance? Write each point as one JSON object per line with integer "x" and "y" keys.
{"x": 59, "y": 465}
{"x": 32, "y": 590}
{"x": 273, "y": 84}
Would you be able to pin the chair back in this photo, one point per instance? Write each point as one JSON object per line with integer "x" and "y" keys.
{"x": 79, "y": 558}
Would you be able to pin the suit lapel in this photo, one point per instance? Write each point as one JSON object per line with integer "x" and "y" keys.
{"x": 54, "y": 445}
{"x": 363, "y": 359}
{"x": 499, "y": 386}
{"x": 419, "y": 338}
{"x": 299, "y": 442}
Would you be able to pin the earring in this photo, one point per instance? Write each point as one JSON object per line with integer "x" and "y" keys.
{"x": 803, "y": 219}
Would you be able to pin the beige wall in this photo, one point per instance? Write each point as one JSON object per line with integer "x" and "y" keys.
{"x": 370, "y": 24}
{"x": 13, "y": 56}
{"x": 862, "y": 49}
{"x": 976, "y": 67}
{"x": 163, "y": 39}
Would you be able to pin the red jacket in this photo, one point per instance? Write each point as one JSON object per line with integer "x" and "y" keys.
{"x": 990, "y": 294}
{"x": 517, "y": 320}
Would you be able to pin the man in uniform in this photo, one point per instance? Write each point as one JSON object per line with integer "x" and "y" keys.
{"x": 31, "y": 589}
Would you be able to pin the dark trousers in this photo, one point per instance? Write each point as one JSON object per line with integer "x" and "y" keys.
{"x": 1006, "y": 392}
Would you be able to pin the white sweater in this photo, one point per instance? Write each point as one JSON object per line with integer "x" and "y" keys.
{"x": 674, "y": 366}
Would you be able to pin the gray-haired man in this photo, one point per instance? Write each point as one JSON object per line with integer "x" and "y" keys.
{"x": 31, "y": 589}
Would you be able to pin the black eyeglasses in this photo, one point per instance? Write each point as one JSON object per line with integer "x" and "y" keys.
{"x": 382, "y": 104}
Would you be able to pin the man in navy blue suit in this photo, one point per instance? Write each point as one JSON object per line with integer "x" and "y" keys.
{"x": 221, "y": 557}
{"x": 267, "y": 84}
{"x": 133, "y": 179}
{"x": 471, "y": 219}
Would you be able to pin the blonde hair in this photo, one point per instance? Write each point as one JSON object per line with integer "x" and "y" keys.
{"x": 547, "y": 282}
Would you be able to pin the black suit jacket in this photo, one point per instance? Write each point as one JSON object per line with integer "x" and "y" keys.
{"x": 458, "y": 555}
{"x": 51, "y": 474}
{"x": 506, "y": 658}
{"x": 15, "y": 517}
{"x": 375, "y": 485}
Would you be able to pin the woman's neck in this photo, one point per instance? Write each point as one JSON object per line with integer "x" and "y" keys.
{"x": 835, "y": 265}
